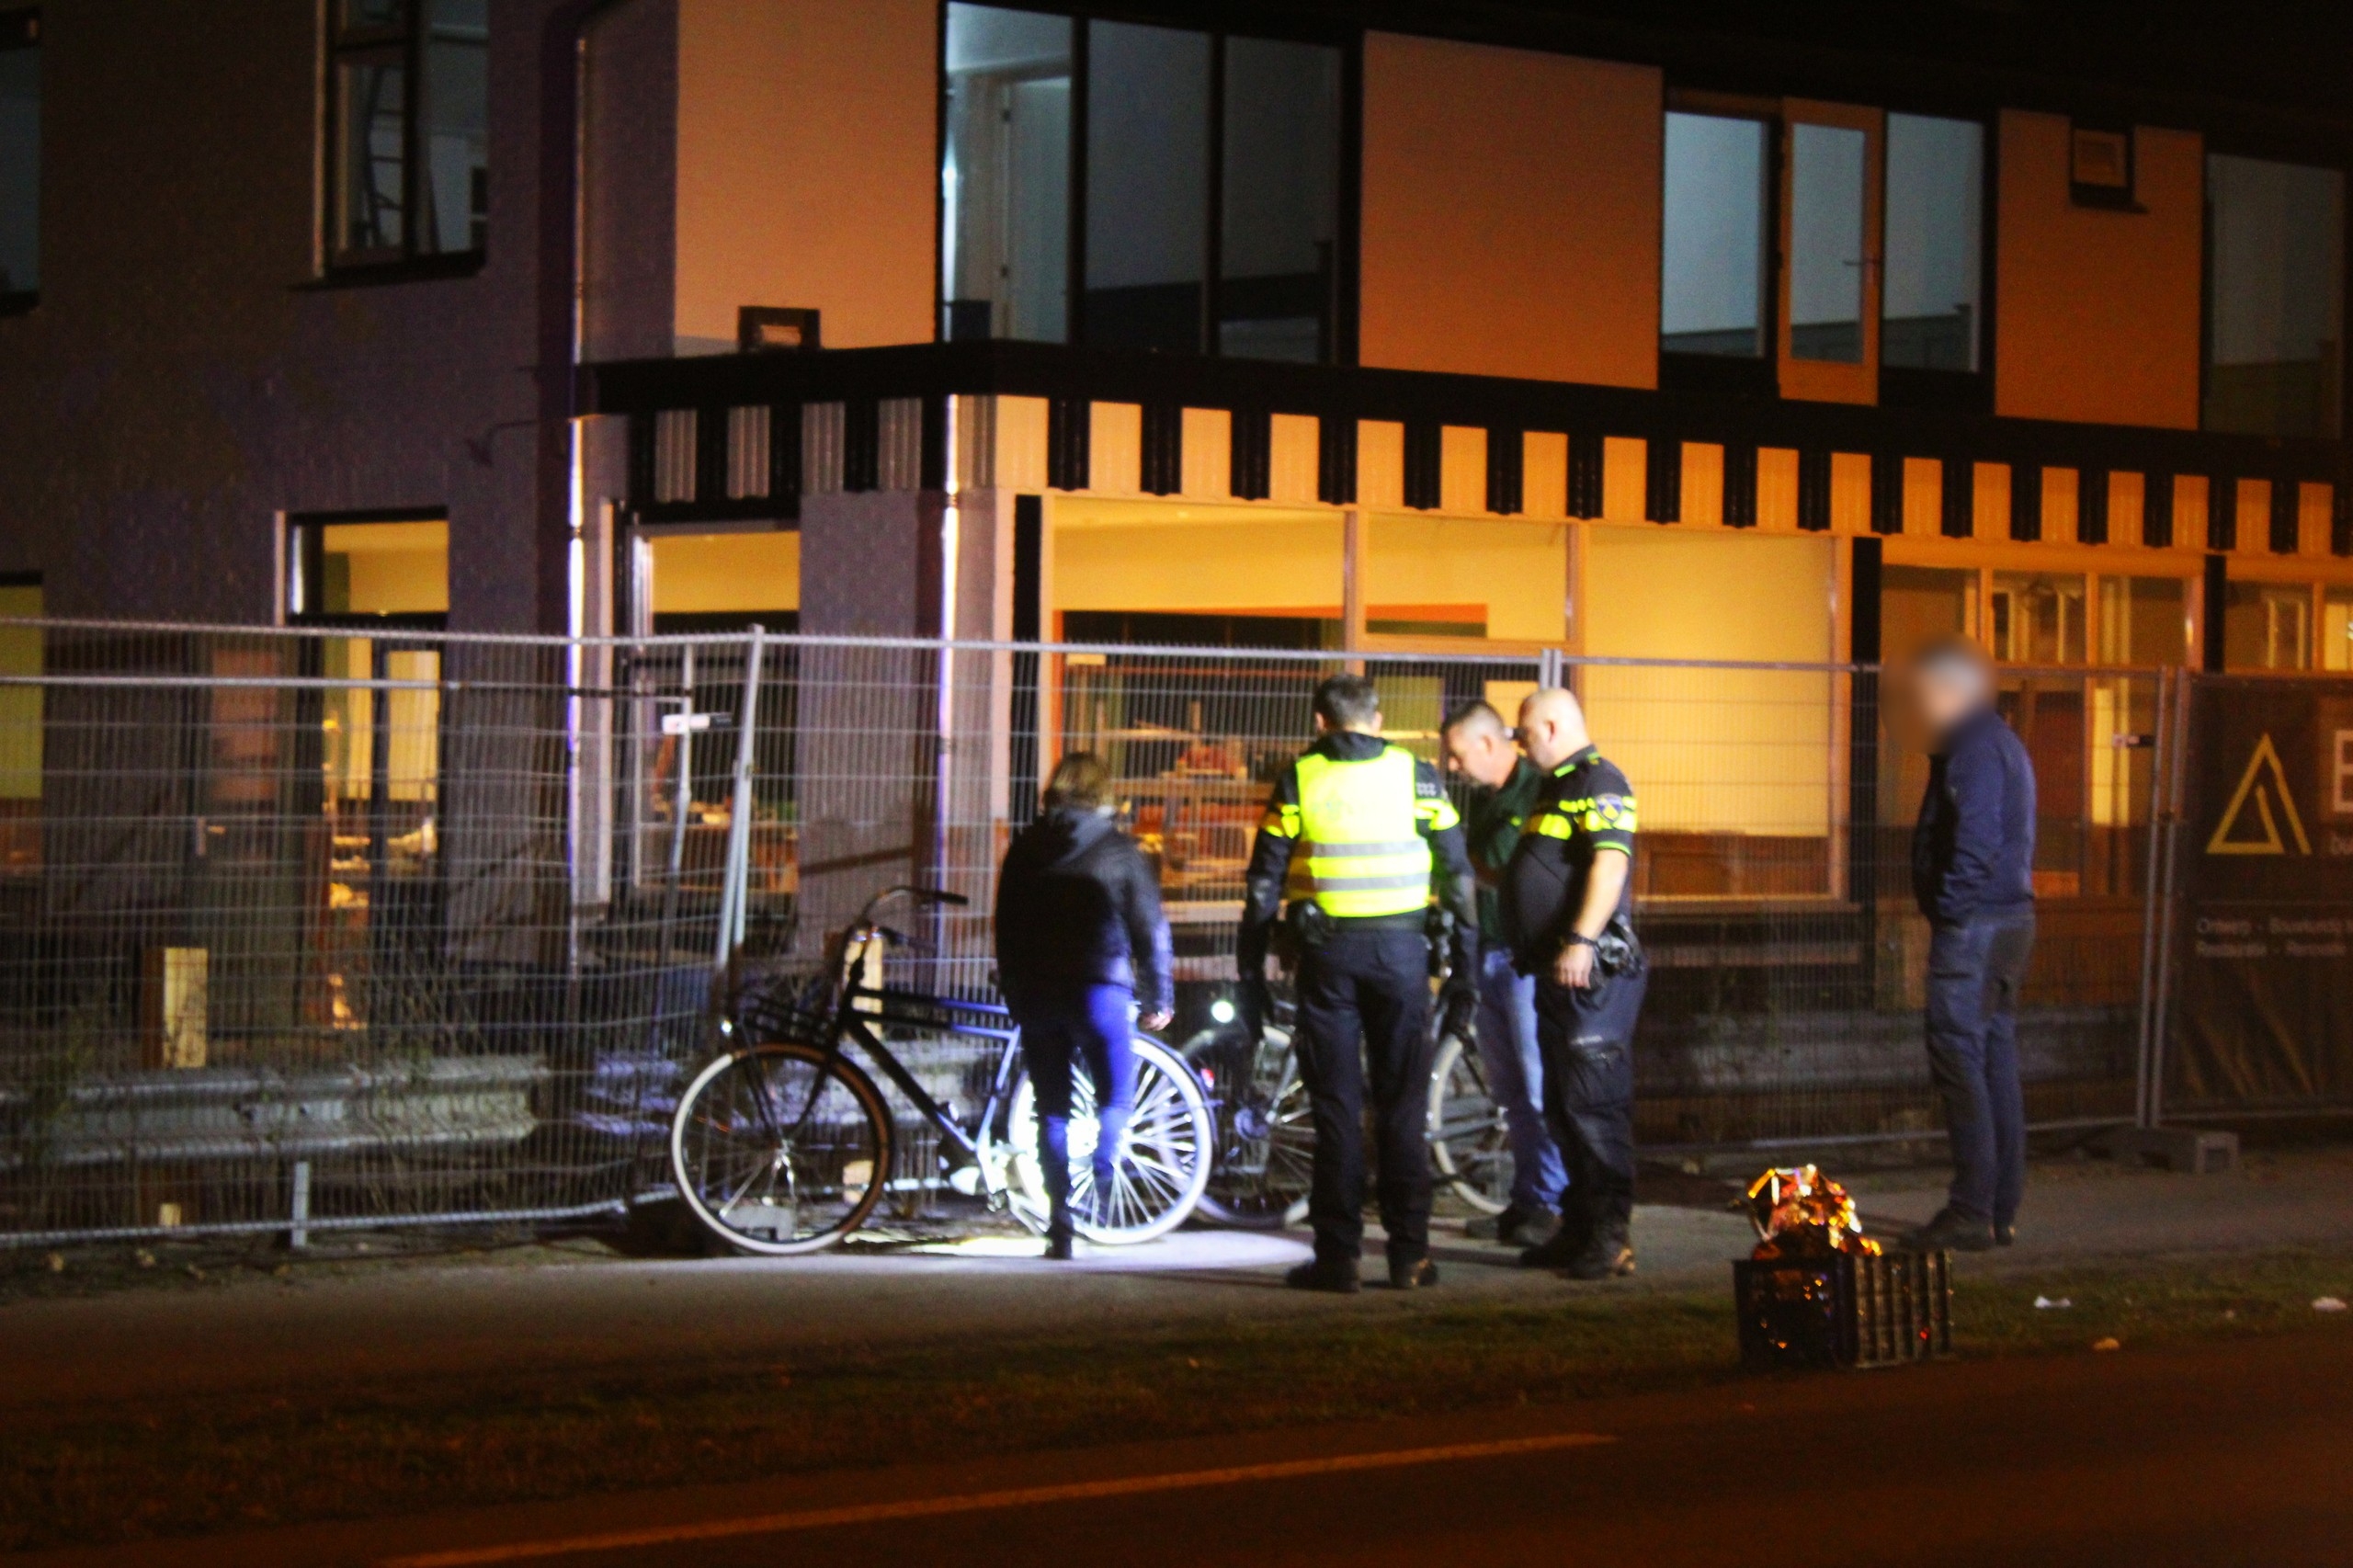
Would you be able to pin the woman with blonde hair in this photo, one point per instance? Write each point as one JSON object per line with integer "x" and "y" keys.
{"x": 1081, "y": 941}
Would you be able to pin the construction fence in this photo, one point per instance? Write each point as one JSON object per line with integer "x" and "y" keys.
{"x": 320, "y": 927}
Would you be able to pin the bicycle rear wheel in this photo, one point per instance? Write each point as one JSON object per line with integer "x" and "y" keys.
{"x": 1162, "y": 1167}
{"x": 1266, "y": 1146}
{"x": 1469, "y": 1150}
{"x": 781, "y": 1148}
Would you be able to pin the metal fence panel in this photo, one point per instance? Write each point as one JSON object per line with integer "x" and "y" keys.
{"x": 419, "y": 924}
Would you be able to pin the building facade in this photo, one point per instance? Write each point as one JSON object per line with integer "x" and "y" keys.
{"x": 1389, "y": 326}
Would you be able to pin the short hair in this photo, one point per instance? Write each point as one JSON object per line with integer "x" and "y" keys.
{"x": 1476, "y": 713}
{"x": 1346, "y": 702}
{"x": 1080, "y": 780}
{"x": 1955, "y": 658}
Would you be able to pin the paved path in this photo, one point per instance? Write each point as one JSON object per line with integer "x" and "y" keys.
{"x": 593, "y": 1309}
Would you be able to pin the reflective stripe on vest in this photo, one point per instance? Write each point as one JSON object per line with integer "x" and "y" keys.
{"x": 1360, "y": 851}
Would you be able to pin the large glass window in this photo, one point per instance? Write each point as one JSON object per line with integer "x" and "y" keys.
{"x": 2267, "y": 626}
{"x": 1713, "y": 295}
{"x": 1826, "y": 201}
{"x": 1281, "y": 215}
{"x": 2143, "y": 621}
{"x": 1203, "y": 231}
{"x": 357, "y": 571}
{"x": 724, "y": 582}
{"x": 1147, "y": 186}
{"x": 1144, "y": 572}
{"x": 19, "y": 157}
{"x": 2336, "y": 630}
{"x": 1467, "y": 577}
{"x": 1005, "y": 186}
{"x": 2274, "y": 297}
{"x": 1933, "y": 251}
{"x": 408, "y": 130}
{"x": 2038, "y": 618}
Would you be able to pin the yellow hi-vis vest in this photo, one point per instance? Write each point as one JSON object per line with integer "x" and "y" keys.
{"x": 1360, "y": 851}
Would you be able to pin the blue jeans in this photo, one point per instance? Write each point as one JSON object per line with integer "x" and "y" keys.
{"x": 1975, "y": 970}
{"x": 1061, "y": 1028}
{"x": 1515, "y": 1070}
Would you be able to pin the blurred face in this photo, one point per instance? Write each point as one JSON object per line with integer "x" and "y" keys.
{"x": 1481, "y": 753}
{"x": 1942, "y": 697}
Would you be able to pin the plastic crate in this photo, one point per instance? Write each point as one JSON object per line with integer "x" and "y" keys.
{"x": 1844, "y": 1311}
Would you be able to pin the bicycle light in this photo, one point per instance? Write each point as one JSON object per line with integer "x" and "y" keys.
{"x": 1221, "y": 1011}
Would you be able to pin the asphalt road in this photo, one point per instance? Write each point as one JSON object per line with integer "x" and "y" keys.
{"x": 2215, "y": 1456}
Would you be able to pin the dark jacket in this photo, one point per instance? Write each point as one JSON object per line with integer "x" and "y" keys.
{"x": 1585, "y": 806}
{"x": 1972, "y": 852}
{"x": 1491, "y": 828}
{"x": 1077, "y": 904}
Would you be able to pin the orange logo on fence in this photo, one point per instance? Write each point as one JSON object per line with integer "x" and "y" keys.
{"x": 2264, "y": 782}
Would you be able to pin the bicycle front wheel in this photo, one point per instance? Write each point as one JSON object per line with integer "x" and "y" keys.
{"x": 1266, "y": 1147}
{"x": 1159, "y": 1172}
{"x": 1469, "y": 1150}
{"x": 781, "y": 1148}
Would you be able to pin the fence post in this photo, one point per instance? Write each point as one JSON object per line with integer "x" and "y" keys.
{"x": 2160, "y": 759}
{"x": 735, "y": 886}
{"x": 2169, "y": 897}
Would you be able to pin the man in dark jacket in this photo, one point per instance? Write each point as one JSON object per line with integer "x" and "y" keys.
{"x": 1972, "y": 872}
{"x": 1081, "y": 944}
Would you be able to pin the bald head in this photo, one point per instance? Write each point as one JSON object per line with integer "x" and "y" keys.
{"x": 1551, "y": 727}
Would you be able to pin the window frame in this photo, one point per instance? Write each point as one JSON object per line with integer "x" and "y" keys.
{"x": 20, "y": 29}
{"x": 2294, "y": 152}
{"x": 406, "y": 42}
{"x": 304, "y": 582}
{"x": 1340, "y": 328}
{"x": 1954, "y": 392}
{"x": 1731, "y": 374}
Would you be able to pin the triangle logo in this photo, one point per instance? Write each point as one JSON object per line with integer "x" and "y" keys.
{"x": 2264, "y": 787}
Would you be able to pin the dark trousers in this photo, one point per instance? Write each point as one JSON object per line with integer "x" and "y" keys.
{"x": 1061, "y": 1028}
{"x": 1372, "y": 984}
{"x": 1975, "y": 968}
{"x": 1587, "y": 1038}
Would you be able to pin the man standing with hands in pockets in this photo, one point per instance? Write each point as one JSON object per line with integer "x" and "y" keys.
{"x": 1567, "y": 910}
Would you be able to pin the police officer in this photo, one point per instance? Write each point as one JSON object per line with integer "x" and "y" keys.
{"x": 1567, "y": 909}
{"x": 1353, "y": 831}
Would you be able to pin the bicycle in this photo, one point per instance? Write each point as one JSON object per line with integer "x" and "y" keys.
{"x": 1265, "y": 1141}
{"x": 784, "y": 1146}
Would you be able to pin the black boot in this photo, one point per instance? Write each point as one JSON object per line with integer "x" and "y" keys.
{"x": 1608, "y": 1256}
{"x": 1559, "y": 1250}
{"x": 1337, "y": 1275}
{"x": 1951, "y": 1231}
{"x": 1412, "y": 1274}
{"x": 1058, "y": 1245}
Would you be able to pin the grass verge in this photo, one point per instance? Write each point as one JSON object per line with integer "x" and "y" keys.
{"x": 96, "y": 1475}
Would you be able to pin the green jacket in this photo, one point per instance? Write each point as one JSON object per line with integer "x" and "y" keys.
{"x": 1492, "y": 826}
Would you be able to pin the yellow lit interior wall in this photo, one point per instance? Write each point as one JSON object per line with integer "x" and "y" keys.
{"x": 712, "y": 574}
{"x": 21, "y": 707}
{"x": 1517, "y": 571}
{"x": 392, "y": 568}
{"x": 2336, "y": 630}
{"x": 1151, "y": 556}
{"x": 1711, "y": 750}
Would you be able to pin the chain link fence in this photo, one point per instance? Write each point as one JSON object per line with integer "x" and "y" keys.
{"x": 305, "y": 929}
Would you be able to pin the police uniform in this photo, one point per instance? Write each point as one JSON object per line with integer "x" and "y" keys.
{"x": 1585, "y": 1036}
{"x": 1353, "y": 830}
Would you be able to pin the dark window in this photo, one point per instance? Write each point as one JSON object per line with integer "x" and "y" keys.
{"x": 1280, "y": 207}
{"x": 1929, "y": 315}
{"x": 1826, "y": 204}
{"x": 1208, "y": 174}
{"x": 408, "y": 110}
{"x": 19, "y": 157}
{"x": 2275, "y": 288}
{"x": 1713, "y": 295}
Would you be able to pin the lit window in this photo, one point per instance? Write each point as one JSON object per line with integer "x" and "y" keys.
{"x": 19, "y": 157}
{"x": 2143, "y": 621}
{"x": 2336, "y": 630}
{"x": 1155, "y": 153}
{"x": 2038, "y": 618}
{"x": 2274, "y": 297}
{"x": 408, "y": 130}
{"x": 2267, "y": 626}
{"x": 347, "y": 572}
